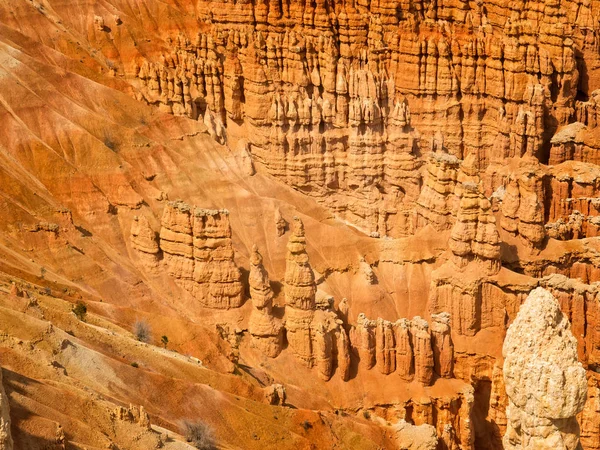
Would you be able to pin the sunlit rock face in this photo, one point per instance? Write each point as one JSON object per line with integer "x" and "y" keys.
{"x": 545, "y": 383}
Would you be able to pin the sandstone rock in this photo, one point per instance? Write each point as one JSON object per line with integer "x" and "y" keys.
{"x": 474, "y": 235}
{"x": 523, "y": 206}
{"x": 385, "y": 346}
{"x": 344, "y": 309}
{"x": 275, "y": 394}
{"x": 265, "y": 329}
{"x": 280, "y": 223}
{"x": 300, "y": 288}
{"x": 404, "y": 350}
{"x": 412, "y": 437}
{"x": 199, "y": 254}
{"x": 367, "y": 271}
{"x": 363, "y": 340}
{"x": 15, "y": 290}
{"x": 434, "y": 206}
{"x": 6, "y": 442}
{"x": 343, "y": 354}
{"x": 441, "y": 343}
{"x": 143, "y": 240}
{"x": 421, "y": 343}
{"x": 545, "y": 383}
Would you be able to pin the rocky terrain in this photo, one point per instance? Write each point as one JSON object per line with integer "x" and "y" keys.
{"x": 306, "y": 225}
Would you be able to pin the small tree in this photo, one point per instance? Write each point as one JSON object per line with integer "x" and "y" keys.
{"x": 141, "y": 331}
{"x": 165, "y": 341}
{"x": 200, "y": 435}
{"x": 80, "y": 310}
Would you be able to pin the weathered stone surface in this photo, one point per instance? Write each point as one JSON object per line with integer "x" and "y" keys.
{"x": 442, "y": 346}
{"x": 545, "y": 384}
{"x": 263, "y": 326}
{"x": 198, "y": 253}
{"x": 6, "y": 442}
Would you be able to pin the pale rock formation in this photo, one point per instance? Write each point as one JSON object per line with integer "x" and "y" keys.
{"x": 133, "y": 414}
{"x": 441, "y": 343}
{"x": 344, "y": 309}
{"x": 199, "y": 254}
{"x": 265, "y": 329}
{"x": 413, "y": 437}
{"x": 343, "y": 353}
{"x": 545, "y": 384}
{"x": 144, "y": 241}
{"x": 314, "y": 332}
{"x": 6, "y": 442}
{"x": 99, "y": 23}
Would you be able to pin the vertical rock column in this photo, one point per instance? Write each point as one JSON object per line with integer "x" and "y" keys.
{"x": 6, "y": 442}
{"x": 143, "y": 240}
{"x": 545, "y": 384}
{"x": 265, "y": 329}
{"x": 300, "y": 290}
{"x": 421, "y": 343}
{"x": 441, "y": 343}
{"x": 404, "y": 350}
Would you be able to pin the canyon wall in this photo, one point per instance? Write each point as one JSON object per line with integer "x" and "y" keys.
{"x": 344, "y": 101}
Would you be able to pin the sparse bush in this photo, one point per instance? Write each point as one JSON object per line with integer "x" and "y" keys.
{"x": 165, "y": 341}
{"x": 306, "y": 425}
{"x": 80, "y": 310}
{"x": 366, "y": 414}
{"x": 134, "y": 364}
{"x": 200, "y": 435}
{"x": 141, "y": 331}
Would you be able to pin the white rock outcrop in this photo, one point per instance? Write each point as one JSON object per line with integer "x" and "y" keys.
{"x": 545, "y": 383}
{"x": 6, "y": 442}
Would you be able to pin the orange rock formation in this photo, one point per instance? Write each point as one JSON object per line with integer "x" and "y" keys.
{"x": 441, "y": 160}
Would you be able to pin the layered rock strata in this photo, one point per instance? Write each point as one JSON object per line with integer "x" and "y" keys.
{"x": 523, "y": 205}
{"x": 474, "y": 236}
{"x": 144, "y": 241}
{"x": 265, "y": 329}
{"x": 198, "y": 253}
{"x": 411, "y": 348}
{"x": 315, "y": 334}
{"x": 545, "y": 384}
{"x": 342, "y": 100}
{"x": 300, "y": 291}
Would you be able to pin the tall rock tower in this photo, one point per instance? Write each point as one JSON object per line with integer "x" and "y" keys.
{"x": 545, "y": 383}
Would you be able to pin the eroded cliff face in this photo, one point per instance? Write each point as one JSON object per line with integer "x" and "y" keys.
{"x": 345, "y": 100}
{"x": 370, "y": 191}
